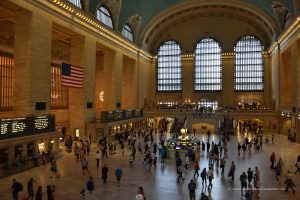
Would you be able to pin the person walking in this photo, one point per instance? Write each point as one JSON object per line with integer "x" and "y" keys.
{"x": 272, "y": 160}
{"x": 50, "y": 192}
{"x": 222, "y": 165}
{"x": 39, "y": 193}
{"x": 192, "y": 189}
{"x": 53, "y": 168}
{"x": 231, "y": 171}
{"x": 249, "y": 193}
{"x": 84, "y": 165}
{"x": 16, "y": 188}
{"x": 243, "y": 179}
{"x": 250, "y": 175}
{"x": 179, "y": 172}
{"x": 210, "y": 176}
{"x": 30, "y": 189}
{"x": 257, "y": 178}
{"x": 297, "y": 165}
{"x": 203, "y": 177}
{"x": 131, "y": 161}
{"x": 239, "y": 149}
{"x": 140, "y": 194}
{"x": 289, "y": 182}
{"x": 90, "y": 186}
{"x": 104, "y": 173}
{"x": 82, "y": 195}
{"x": 196, "y": 169}
{"x": 118, "y": 174}
{"x": 98, "y": 155}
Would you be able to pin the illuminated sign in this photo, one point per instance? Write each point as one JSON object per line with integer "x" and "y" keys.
{"x": 15, "y": 127}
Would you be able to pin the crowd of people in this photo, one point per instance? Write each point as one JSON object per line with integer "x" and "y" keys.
{"x": 150, "y": 145}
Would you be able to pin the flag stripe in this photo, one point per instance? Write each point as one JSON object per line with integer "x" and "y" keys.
{"x": 73, "y": 76}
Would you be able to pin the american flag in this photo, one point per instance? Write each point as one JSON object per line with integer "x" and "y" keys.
{"x": 71, "y": 76}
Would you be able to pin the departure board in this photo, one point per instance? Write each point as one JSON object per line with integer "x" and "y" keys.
{"x": 11, "y": 127}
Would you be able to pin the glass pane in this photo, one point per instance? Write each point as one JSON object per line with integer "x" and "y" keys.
{"x": 249, "y": 69}
{"x": 169, "y": 67}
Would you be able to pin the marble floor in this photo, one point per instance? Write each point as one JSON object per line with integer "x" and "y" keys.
{"x": 162, "y": 184}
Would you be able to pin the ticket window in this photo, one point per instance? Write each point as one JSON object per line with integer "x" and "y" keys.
{"x": 18, "y": 150}
{"x": 3, "y": 155}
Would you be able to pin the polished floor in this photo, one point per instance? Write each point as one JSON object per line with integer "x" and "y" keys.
{"x": 162, "y": 184}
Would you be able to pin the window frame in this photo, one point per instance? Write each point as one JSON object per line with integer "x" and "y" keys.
{"x": 181, "y": 68}
{"x": 128, "y": 31}
{"x": 262, "y": 71}
{"x": 110, "y": 16}
{"x": 7, "y": 100}
{"x": 77, "y": 3}
{"x": 221, "y": 68}
{"x": 54, "y": 106}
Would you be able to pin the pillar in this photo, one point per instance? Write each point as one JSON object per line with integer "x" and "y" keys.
{"x": 32, "y": 63}
{"x": 228, "y": 80}
{"x": 118, "y": 66}
{"x": 83, "y": 54}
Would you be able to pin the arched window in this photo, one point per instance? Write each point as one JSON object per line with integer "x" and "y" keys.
{"x": 249, "y": 66}
{"x": 169, "y": 67}
{"x": 104, "y": 16}
{"x": 77, "y": 3}
{"x": 207, "y": 76}
{"x": 127, "y": 32}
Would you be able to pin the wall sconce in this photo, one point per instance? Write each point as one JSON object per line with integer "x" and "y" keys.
{"x": 101, "y": 96}
{"x": 282, "y": 114}
{"x": 52, "y": 141}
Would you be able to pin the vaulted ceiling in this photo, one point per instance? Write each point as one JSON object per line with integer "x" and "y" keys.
{"x": 189, "y": 20}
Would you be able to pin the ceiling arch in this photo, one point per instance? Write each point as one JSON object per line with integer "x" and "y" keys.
{"x": 188, "y": 21}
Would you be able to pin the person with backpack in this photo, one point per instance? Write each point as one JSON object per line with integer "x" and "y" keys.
{"x": 118, "y": 174}
{"x": 90, "y": 186}
{"x": 192, "y": 189}
{"x": 196, "y": 169}
{"x": 16, "y": 188}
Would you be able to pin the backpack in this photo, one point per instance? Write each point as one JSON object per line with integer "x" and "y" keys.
{"x": 19, "y": 186}
{"x": 89, "y": 185}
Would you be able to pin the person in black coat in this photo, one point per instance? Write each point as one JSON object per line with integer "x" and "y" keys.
{"x": 104, "y": 173}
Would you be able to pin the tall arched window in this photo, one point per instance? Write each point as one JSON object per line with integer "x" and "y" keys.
{"x": 169, "y": 67}
{"x": 77, "y": 3}
{"x": 207, "y": 76}
{"x": 127, "y": 32}
{"x": 249, "y": 66}
{"x": 104, "y": 16}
